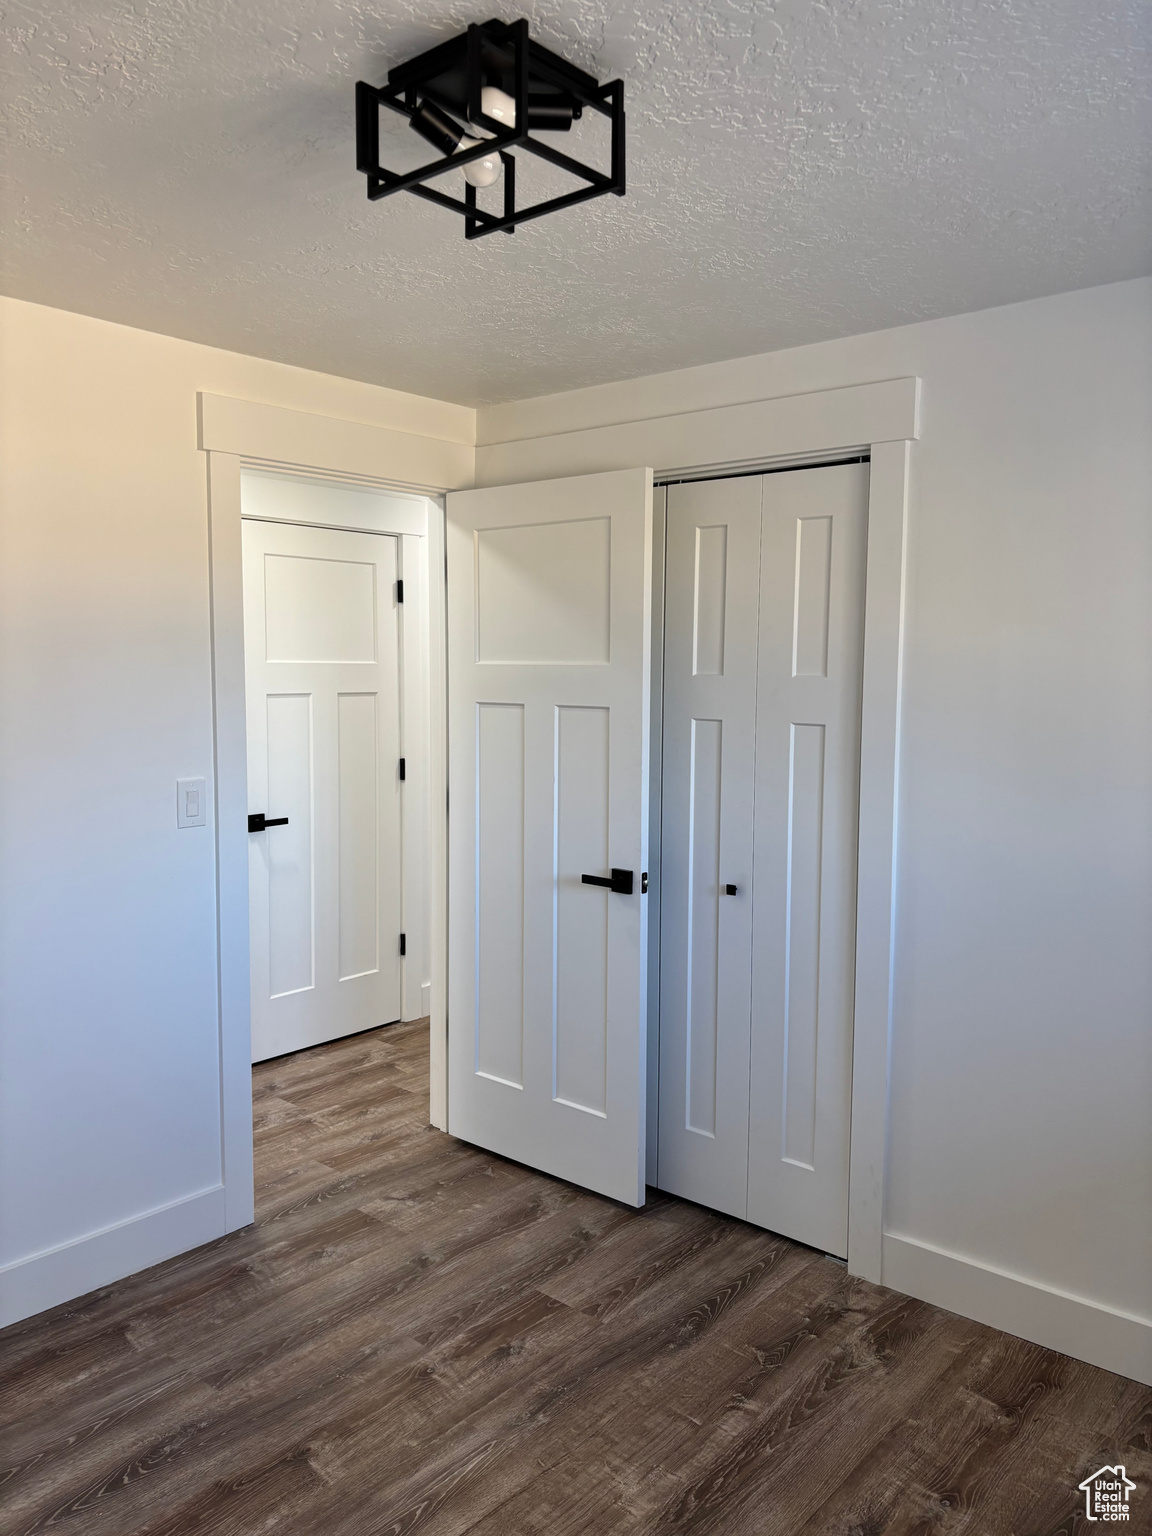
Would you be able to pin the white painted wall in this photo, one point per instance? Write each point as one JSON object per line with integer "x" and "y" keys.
{"x": 1020, "y": 1133}
{"x": 109, "y": 1051}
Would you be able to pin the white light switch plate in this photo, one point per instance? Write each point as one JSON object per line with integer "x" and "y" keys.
{"x": 191, "y": 802}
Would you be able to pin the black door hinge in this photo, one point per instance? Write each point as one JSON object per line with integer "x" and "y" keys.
{"x": 403, "y": 943}
{"x": 400, "y": 591}
{"x": 401, "y": 768}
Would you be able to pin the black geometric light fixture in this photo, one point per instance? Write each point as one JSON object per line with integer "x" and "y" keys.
{"x": 477, "y": 98}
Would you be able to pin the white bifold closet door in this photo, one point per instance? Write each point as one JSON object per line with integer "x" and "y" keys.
{"x": 709, "y": 756}
{"x": 322, "y": 668}
{"x": 764, "y": 616}
{"x": 548, "y": 684}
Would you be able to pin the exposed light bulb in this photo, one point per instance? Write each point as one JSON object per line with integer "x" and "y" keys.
{"x": 481, "y": 173}
{"x": 496, "y": 104}
{"x": 449, "y": 138}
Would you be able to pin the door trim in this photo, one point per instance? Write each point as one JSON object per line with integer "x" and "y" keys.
{"x": 230, "y": 744}
{"x": 285, "y": 438}
{"x": 234, "y": 433}
{"x": 876, "y": 864}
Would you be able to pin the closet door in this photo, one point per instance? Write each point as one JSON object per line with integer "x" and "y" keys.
{"x": 713, "y": 560}
{"x": 807, "y": 794}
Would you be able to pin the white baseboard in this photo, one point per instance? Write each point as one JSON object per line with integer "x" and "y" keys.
{"x": 417, "y": 1003}
{"x": 1116, "y": 1341}
{"x": 44, "y": 1280}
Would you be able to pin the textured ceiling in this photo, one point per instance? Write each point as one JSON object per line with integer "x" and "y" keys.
{"x": 798, "y": 169}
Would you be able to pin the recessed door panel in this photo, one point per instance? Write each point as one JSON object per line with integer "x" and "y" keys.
{"x": 703, "y": 950}
{"x": 543, "y": 593}
{"x": 499, "y": 912}
{"x": 288, "y": 858}
{"x": 319, "y": 610}
{"x": 583, "y": 912}
{"x": 802, "y": 926}
{"x": 357, "y": 743}
{"x": 709, "y": 595}
{"x": 812, "y": 597}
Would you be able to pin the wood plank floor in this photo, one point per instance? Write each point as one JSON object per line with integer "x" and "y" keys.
{"x": 417, "y": 1337}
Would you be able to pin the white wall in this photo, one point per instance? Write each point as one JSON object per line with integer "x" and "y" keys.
{"x": 109, "y": 1051}
{"x": 1021, "y": 1128}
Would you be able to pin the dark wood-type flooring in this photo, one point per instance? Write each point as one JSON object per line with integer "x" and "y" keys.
{"x": 417, "y": 1337}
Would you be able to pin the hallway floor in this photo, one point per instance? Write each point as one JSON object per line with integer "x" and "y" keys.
{"x": 417, "y": 1337}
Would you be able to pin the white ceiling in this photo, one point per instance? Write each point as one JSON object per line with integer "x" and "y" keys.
{"x": 798, "y": 169}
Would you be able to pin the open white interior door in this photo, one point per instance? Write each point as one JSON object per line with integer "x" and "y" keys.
{"x": 548, "y": 686}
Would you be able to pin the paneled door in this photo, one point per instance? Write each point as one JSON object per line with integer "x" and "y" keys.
{"x": 548, "y": 681}
{"x": 809, "y": 675}
{"x": 712, "y": 599}
{"x": 764, "y": 628}
{"x": 321, "y": 639}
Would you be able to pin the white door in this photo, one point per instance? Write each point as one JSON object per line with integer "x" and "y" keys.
{"x": 709, "y": 757}
{"x": 548, "y": 681}
{"x": 321, "y": 645}
{"x": 763, "y": 651}
{"x": 807, "y": 803}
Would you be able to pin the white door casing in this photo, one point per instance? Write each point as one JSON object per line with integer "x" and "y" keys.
{"x": 322, "y": 682}
{"x": 709, "y": 757}
{"x": 809, "y": 672}
{"x": 548, "y": 679}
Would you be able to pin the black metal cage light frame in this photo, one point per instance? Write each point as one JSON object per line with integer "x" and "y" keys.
{"x": 548, "y": 92}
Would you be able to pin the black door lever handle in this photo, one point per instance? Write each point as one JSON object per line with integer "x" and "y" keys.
{"x": 258, "y": 822}
{"x": 620, "y": 882}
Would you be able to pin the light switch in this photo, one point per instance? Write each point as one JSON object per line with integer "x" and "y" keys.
{"x": 191, "y": 803}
